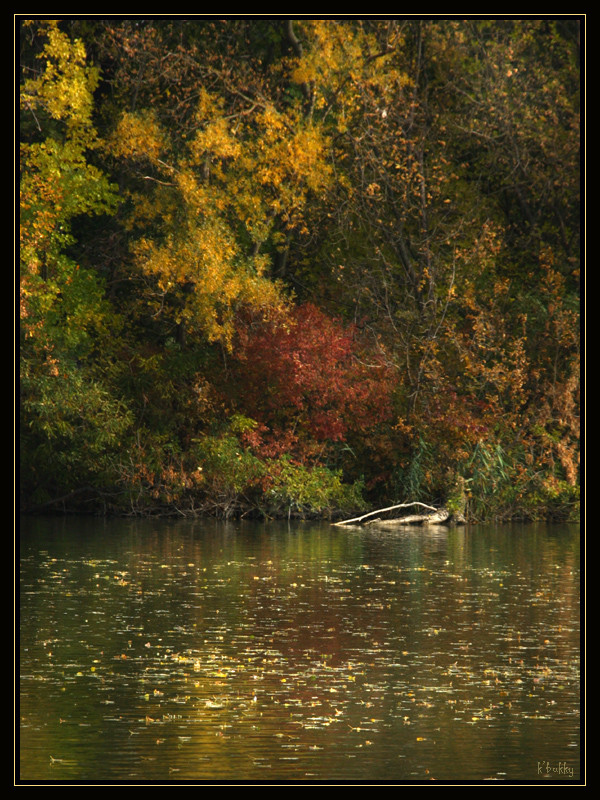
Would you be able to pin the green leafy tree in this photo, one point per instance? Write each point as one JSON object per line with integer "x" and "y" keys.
{"x": 70, "y": 420}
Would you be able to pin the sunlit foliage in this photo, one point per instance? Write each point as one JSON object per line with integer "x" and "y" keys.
{"x": 361, "y": 236}
{"x": 71, "y": 422}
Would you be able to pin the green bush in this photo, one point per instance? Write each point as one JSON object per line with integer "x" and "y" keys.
{"x": 304, "y": 490}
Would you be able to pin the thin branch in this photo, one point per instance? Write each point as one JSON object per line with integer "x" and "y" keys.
{"x": 162, "y": 183}
{"x": 30, "y": 107}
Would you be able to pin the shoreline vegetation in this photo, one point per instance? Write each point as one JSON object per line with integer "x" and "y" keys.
{"x": 276, "y": 268}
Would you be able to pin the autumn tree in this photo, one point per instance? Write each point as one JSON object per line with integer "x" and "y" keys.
{"x": 309, "y": 380}
{"x": 70, "y": 420}
{"x": 516, "y": 125}
{"x": 449, "y": 222}
{"x": 217, "y": 176}
{"x": 218, "y": 172}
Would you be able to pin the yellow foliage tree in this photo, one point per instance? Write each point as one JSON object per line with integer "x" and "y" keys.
{"x": 216, "y": 203}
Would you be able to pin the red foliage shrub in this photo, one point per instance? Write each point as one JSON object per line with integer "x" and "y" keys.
{"x": 307, "y": 376}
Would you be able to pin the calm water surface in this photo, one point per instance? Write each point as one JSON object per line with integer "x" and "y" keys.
{"x": 201, "y": 651}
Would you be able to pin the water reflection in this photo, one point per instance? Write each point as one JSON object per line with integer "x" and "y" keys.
{"x": 201, "y": 651}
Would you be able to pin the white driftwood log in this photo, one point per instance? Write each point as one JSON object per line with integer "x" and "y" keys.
{"x": 412, "y": 518}
{"x": 439, "y": 517}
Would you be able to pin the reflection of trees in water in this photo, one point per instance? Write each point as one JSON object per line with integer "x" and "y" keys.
{"x": 242, "y": 653}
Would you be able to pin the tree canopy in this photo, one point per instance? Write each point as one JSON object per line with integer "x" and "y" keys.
{"x": 275, "y": 265}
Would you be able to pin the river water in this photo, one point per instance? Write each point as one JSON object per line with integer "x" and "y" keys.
{"x": 154, "y": 651}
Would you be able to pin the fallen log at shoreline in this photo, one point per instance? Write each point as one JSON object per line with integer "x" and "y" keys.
{"x": 437, "y": 516}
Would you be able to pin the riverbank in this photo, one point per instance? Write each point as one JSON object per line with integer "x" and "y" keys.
{"x": 90, "y": 501}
